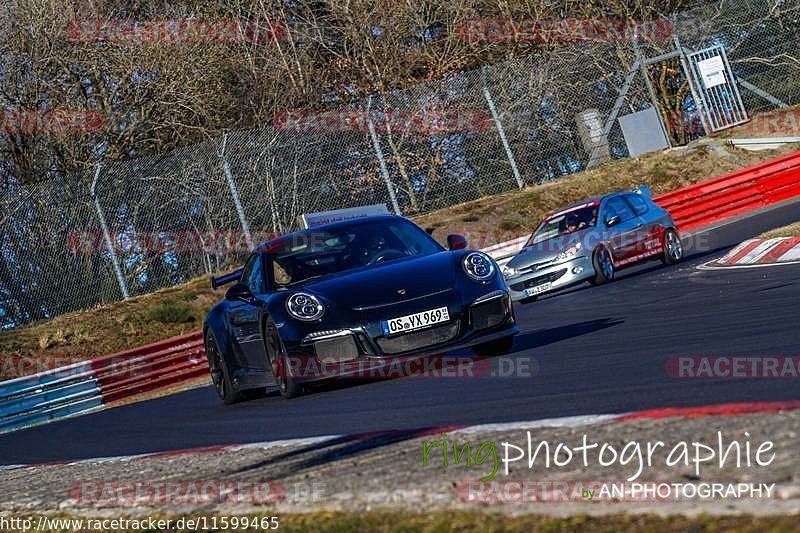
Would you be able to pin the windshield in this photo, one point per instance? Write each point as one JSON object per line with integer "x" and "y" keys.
{"x": 316, "y": 253}
{"x": 565, "y": 223}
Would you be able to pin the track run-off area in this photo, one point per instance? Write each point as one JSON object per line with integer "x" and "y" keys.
{"x": 586, "y": 351}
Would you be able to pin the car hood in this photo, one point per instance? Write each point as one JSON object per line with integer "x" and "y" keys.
{"x": 378, "y": 285}
{"x": 546, "y": 251}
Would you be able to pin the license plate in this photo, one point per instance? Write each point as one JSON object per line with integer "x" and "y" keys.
{"x": 539, "y": 289}
{"x": 415, "y": 321}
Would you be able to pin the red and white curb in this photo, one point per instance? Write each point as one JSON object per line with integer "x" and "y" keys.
{"x": 728, "y": 409}
{"x": 759, "y": 253}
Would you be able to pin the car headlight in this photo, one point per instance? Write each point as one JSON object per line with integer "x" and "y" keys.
{"x": 509, "y": 272}
{"x": 569, "y": 252}
{"x": 304, "y": 306}
{"x": 478, "y": 266}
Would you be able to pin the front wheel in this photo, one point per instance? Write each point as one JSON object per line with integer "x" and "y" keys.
{"x": 496, "y": 347}
{"x": 603, "y": 266}
{"x": 220, "y": 375}
{"x": 673, "y": 248}
{"x": 278, "y": 362}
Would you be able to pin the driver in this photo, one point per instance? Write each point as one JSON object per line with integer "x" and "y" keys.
{"x": 374, "y": 246}
{"x": 573, "y": 222}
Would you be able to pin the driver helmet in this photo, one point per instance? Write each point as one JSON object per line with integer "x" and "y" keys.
{"x": 573, "y": 220}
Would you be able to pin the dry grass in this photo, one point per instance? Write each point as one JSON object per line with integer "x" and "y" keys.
{"x": 496, "y": 219}
{"x": 108, "y": 328}
{"x": 792, "y": 230}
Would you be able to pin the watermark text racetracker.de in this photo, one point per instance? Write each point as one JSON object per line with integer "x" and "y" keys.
{"x": 733, "y": 367}
{"x": 399, "y": 121}
{"x": 568, "y": 30}
{"x": 171, "y": 32}
{"x": 159, "y": 493}
{"x": 421, "y": 366}
{"x": 50, "y": 121}
{"x": 236, "y": 241}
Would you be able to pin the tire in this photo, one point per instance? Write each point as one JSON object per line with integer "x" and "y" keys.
{"x": 496, "y": 347}
{"x": 603, "y": 266}
{"x": 278, "y": 363}
{"x": 220, "y": 375}
{"x": 673, "y": 248}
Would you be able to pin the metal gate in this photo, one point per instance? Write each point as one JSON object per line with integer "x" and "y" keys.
{"x": 715, "y": 88}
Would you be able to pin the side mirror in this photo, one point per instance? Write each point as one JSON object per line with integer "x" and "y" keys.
{"x": 456, "y": 242}
{"x": 239, "y": 291}
{"x": 613, "y": 221}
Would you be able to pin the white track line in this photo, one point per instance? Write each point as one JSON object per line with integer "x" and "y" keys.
{"x": 792, "y": 255}
{"x": 569, "y": 421}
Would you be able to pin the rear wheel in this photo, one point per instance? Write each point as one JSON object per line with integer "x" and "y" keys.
{"x": 603, "y": 266}
{"x": 278, "y": 362}
{"x": 673, "y": 248}
{"x": 220, "y": 375}
{"x": 496, "y": 347}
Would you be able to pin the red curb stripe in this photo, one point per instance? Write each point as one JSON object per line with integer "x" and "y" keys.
{"x": 746, "y": 249}
{"x": 725, "y": 409}
{"x": 777, "y": 251}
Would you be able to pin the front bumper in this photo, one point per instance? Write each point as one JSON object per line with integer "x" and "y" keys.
{"x": 352, "y": 351}
{"x": 558, "y": 276}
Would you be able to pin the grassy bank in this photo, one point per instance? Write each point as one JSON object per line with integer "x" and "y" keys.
{"x": 792, "y": 230}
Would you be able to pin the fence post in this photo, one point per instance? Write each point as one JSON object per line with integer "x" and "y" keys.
{"x": 107, "y": 236}
{"x": 226, "y": 168}
{"x": 500, "y": 130}
{"x": 381, "y": 160}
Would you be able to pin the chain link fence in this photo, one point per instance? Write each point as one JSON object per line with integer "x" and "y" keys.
{"x": 129, "y": 228}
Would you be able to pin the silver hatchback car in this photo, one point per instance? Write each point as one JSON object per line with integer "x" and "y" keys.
{"x": 590, "y": 241}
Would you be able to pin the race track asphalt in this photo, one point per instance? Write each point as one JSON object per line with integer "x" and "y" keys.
{"x": 591, "y": 350}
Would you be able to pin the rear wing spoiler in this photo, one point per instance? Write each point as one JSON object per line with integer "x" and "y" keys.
{"x": 219, "y": 281}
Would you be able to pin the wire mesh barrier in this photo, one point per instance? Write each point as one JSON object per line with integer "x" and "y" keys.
{"x": 128, "y": 228}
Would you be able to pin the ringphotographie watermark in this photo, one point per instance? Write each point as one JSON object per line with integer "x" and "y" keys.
{"x": 394, "y": 120}
{"x": 733, "y": 367}
{"x": 176, "y": 31}
{"x": 50, "y": 121}
{"x": 509, "y": 491}
{"x": 491, "y": 458}
{"x": 567, "y": 30}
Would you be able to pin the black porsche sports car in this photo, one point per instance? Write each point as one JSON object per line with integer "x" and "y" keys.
{"x": 325, "y": 302}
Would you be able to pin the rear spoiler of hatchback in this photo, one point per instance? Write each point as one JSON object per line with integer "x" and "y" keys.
{"x": 219, "y": 281}
{"x": 644, "y": 190}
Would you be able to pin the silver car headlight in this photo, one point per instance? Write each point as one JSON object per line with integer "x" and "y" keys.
{"x": 568, "y": 253}
{"x": 510, "y": 272}
{"x": 478, "y": 266}
{"x": 304, "y": 306}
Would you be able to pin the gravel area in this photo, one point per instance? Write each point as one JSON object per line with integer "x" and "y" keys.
{"x": 387, "y": 472}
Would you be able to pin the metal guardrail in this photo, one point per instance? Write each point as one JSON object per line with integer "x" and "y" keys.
{"x": 91, "y": 385}
{"x": 735, "y": 193}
